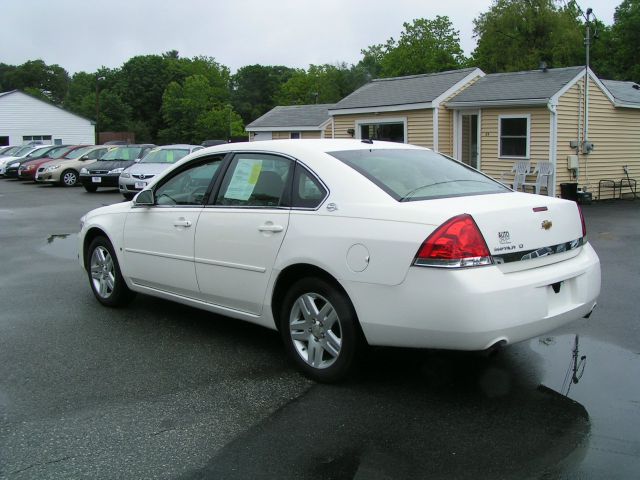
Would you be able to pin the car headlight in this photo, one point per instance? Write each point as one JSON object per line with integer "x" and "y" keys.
{"x": 55, "y": 167}
{"x": 30, "y": 167}
{"x": 125, "y": 175}
{"x": 116, "y": 170}
{"x": 84, "y": 171}
{"x": 17, "y": 164}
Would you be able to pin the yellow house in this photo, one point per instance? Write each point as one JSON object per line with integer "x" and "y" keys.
{"x": 490, "y": 122}
{"x": 547, "y": 115}
{"x": 295, "y": 121}
{"x": 403, "y": 109}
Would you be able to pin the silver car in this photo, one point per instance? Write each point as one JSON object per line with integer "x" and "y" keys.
{"x": 136, "y": 177}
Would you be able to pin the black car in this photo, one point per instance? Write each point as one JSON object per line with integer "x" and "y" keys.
{"x": 106, "y": 171}
{"x": 12, "y": 169}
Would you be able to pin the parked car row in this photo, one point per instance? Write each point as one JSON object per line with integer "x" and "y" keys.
{"x": 128, "y": 167}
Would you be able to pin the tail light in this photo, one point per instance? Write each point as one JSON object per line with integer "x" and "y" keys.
{"x": 457, "y": 243}
{"x": 584, "y": 225}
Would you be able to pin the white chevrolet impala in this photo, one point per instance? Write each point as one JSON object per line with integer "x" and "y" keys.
{"x": 343, "y": 243}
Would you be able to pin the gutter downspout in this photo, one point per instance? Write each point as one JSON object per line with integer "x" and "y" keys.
{"x": 435, "y": 126}
{"x": 553, "y": 143}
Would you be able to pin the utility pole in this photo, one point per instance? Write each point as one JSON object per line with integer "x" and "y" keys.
{"x": 98, "y": 108}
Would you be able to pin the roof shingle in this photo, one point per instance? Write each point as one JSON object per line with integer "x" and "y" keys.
{"x": 293, "y": 116}
{"x": 384, "y": 92}
{"x": 529, "y": 86}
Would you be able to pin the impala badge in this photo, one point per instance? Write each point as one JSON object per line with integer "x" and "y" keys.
{"x": 547, "y": 225}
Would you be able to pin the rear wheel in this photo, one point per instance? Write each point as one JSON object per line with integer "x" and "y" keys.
{"x": 319, "y": 327}
{"x": 69, "y": 178}
{"x": 104, "y": 274}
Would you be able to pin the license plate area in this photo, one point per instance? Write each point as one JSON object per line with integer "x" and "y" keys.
{"x": 560, "y": 295}
{"x": 96, "y": 179}
{"x": 140, "y": 185}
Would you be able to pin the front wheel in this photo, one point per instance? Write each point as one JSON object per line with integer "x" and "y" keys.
{"x": 69, "y": 178}
{"x": 104, "y": 274}
{"x": 319, "y": 327}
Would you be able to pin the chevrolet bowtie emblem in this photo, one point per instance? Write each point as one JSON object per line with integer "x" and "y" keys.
{"x": 547, "y": 224}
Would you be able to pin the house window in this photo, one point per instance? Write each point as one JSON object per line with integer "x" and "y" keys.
{"x": 514, "y": 136}
{"x": 295, "y": 135}
{"x": 31, "y": 138}
{"x": 389, "y": 130}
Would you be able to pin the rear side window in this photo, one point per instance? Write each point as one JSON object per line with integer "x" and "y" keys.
{"x": 308, "y": 192}
{"x": 409, "y": 175}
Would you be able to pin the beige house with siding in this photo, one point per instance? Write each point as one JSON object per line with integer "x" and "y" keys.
{"x": 546, "y": 115}
{"x": 295, "y": 121}
{"x": 404, "y": 109}
{"x": 489, "y": 121}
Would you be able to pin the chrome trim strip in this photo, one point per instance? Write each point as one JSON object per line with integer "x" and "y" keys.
{"x": 239, "y": 266}
{"x": 539, "y": 252}
{"x": 157, "y": 254}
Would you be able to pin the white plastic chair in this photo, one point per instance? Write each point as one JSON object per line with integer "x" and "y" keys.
{"x": 544, "y": 176}
{"x": 520, "y": 170}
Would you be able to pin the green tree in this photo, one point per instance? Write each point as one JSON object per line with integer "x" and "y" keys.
{"x": 518, "y": 34}
{"x": 142, "y": 81}
{"x": 254, "y": 89}
{"x": 194, "y": 112}
{"x": 625, "y": 41}
{"x": 45, "y": 81}
{"x": 320, "y": 84}
{"x": 424, "y": 46}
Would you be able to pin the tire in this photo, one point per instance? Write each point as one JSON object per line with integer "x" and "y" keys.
{"x": 69, "y": 178}
{"x": 105, "y": 278}
{"x": 91, "y": 188}
{"x": 326, "y": 341}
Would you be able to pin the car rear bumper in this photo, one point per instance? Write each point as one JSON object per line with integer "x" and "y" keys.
{"x": 473, "y": 309}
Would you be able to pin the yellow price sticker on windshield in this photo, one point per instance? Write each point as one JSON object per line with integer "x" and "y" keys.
{"x": 255, "y": 173}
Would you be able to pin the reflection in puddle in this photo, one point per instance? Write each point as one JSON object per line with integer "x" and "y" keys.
{"x": 415, "y": 415}
{"x": 609, "y": 389}
{"x": 62, "y": 245}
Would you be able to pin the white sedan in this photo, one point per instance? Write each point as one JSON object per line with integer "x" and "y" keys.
{"x": 343, "y": 243}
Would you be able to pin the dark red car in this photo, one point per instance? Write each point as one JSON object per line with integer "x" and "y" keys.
{"x": 27, "y": 171}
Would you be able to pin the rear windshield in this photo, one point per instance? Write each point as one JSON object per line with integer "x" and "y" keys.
{"x": 121, "y": 153}
{"x": 409, "y": 175}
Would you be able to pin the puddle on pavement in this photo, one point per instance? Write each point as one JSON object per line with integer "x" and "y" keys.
{"x": 555, "y": 407}
{"x": 64, "y": 245}
{"x": 605, "y": 380}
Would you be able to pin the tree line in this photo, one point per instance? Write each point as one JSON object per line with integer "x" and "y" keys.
{"x": 169, "y": 99}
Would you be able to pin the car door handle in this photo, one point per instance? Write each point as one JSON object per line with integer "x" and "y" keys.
{"x": 269, "y": 227}
{"x": 181, "y": 222}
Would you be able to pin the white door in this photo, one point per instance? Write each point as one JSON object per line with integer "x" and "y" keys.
{"x": 238, "y": 238}
{"x": 158, "y": 240}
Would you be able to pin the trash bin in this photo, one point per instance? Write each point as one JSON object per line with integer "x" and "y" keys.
{"x": 569, "y": 191}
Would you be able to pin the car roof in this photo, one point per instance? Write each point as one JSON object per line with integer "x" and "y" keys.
{"x": 297, "y": 146}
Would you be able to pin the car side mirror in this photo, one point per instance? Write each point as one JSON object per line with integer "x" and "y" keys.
{"x": 145, "y": 198}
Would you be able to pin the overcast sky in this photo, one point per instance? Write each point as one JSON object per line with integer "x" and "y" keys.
{"x": 82, "y": 35}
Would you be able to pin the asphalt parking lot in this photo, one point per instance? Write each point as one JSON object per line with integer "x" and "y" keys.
{"x": 159, "y": 390}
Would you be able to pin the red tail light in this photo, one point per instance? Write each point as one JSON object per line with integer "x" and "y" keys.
{"x": 584, "y": 225}
{"x": 456, "y": 243}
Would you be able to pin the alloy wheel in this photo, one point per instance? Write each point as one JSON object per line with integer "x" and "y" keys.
{"x": 315, "y": 330}
{"x": 103, "y": 274}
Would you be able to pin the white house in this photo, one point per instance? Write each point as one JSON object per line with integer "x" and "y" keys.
{"x": 24, "y": 118}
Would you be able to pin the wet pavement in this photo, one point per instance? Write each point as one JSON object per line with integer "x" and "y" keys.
{"x": 159, "y": 390}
